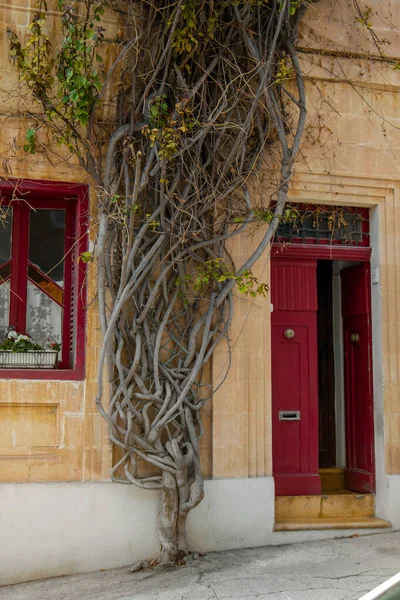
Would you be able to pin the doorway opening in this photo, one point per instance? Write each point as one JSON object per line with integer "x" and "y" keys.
{"x": 345, "y": 411}
{"x": 322, "y": 402}
{"x": 321, "y": 376}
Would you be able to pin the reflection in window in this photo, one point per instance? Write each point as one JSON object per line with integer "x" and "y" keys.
{"x": 45, "y": 284}
{"x": 5, "y": 235}
{"x": 46, "y": 242}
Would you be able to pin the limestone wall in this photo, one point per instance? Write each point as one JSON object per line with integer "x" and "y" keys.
{"x": 49, "y": 430}
{"x": 350, "y": 156}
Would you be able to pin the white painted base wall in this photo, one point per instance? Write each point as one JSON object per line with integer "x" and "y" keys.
{"x": 50, "y": 529}
{"x": 391, "y": 500}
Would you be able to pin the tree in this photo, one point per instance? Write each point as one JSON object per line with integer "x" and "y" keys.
{"x": 171, "y": 131}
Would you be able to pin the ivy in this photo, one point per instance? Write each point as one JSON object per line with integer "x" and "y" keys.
{"x": 364, "y": 17}
{"x": 67, "y": 81}
{"x": 168, "y": 125}
{"x": 34, "y": 61}
{"x": 86, "y": 257}
{"x": 216, "y": 271}
{"x": 30, "y": 141}
{"x": 285, "y": 71}
{"x": 170, "y": 150}
{"x": 79, "y": 78}
{"x": 188, "y": 35}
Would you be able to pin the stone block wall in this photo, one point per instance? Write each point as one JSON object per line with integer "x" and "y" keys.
{"x": 350, "y": 157}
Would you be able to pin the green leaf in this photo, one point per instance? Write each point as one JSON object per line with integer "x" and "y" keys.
{"x": 30, "y": 141}
{"x": 81, "y": 81}
{"x": 86, "y": 257}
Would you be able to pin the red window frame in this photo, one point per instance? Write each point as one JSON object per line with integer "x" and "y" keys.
{"x": 74, "y": 200}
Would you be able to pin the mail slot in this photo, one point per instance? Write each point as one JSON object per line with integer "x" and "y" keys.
{"x": 289, "y": 415}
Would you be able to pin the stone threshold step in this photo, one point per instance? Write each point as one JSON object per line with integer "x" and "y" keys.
{"x": 332, "y": 523}
{"x": 330, "y": 506}
{"x": 332, "y": 478}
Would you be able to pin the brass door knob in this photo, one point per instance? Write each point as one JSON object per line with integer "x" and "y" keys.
{"x": 289, "y": 334}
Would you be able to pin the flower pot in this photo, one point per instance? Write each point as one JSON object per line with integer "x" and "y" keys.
{"x": 33, "y": 359}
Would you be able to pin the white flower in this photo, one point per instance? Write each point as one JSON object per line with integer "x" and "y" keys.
{"x": 23, "y": 337}
{"x": 12, "y": 334}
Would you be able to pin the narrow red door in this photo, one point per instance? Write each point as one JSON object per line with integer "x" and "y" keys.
{"x": 356, "y": 312}
{"x": 294, "y": 377}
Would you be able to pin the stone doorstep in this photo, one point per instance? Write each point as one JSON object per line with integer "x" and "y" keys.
{"x": 332, "y": 523}
{"x": 340, "y": 510}
{"x": 332, "y": 479}
{"x": 344, "y": 505}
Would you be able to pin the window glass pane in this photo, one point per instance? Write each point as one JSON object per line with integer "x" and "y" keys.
{"x": 5, "y": 272}
{"x": 47, "y": 286}
{"x": 5, "y": 235}
{"x": 43, "y": 316}
{"x": 47, "y": 242}
{"x": 4, "y": 309}
{"x": 324, "y": 225}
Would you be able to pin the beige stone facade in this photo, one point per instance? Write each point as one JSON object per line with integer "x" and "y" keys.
{"x": 50, "y": 430}
{"x": 62, "y": 438}
{"x": 351, "y": 158}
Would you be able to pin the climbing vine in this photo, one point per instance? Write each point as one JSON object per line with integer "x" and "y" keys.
{"x": 171, "y": 132}
{"x": 67, "y": 86}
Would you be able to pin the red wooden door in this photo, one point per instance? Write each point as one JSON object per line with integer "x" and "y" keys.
{"x": 356, "y": 312}
{"x": 294, "y": 377}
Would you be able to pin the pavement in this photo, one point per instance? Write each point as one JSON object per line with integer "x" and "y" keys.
{"x": 332, "y": 570}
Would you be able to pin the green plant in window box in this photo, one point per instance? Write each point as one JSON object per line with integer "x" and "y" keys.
{"x": 19, "y": 351}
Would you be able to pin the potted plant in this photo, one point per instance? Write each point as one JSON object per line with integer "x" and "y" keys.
{"x": 18, "y": 351}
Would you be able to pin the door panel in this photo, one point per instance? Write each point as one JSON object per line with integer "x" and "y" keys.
{"x": 290, "y": 386}
{"x": 294, "y": 378}
{"x": 359, "y": 472}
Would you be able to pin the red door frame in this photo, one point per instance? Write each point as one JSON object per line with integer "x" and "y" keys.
{"x": 321, "y": 252}
{"x": 329, "y": 252}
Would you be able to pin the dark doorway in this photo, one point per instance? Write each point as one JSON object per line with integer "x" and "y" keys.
{"x": 326, "y": 370}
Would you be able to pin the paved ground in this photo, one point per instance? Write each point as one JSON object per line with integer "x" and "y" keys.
{"x": 332, "y": 570}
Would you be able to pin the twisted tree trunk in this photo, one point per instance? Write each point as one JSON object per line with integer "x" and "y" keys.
{"x": 200, "y": 108}
{"x": 201, "y": 90}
